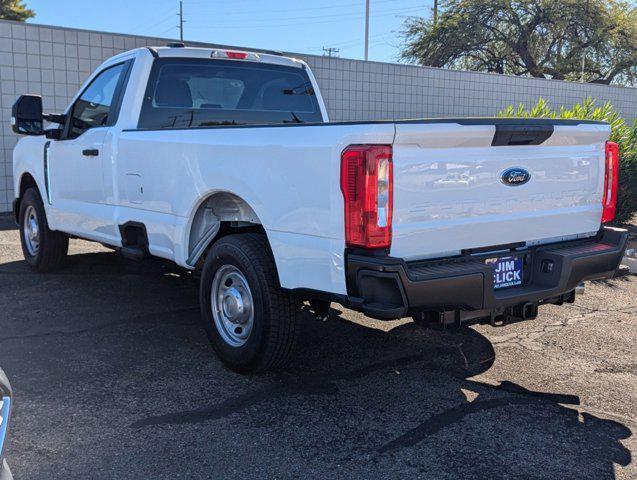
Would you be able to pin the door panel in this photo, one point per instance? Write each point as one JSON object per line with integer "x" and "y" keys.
{"x": 76, "y": 162}
{"x": 75, "y": 176}
{"x": 76, "y": 181}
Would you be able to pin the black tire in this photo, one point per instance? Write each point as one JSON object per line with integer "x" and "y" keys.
{"x": 274, "y": 328}
{"x": 52, "y": 246}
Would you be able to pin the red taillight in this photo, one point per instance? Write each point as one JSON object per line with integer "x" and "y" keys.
{"x": 236, "y": 55}
{"x": 367, "y": 184}
{"x": 611, "y": 182}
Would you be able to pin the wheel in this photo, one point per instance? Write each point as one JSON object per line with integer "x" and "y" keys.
{"x": 43, "y": 249}
{"x": 250, "y": 322}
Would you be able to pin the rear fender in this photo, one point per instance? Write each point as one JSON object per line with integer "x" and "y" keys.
{"x": 208, "y": 218}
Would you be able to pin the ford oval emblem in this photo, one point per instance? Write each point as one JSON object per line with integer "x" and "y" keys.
{"x": 515, "y": 176}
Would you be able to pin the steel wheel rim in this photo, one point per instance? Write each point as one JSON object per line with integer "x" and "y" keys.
{"x": 31, "y": 231}
{"x": 232, "y": 305}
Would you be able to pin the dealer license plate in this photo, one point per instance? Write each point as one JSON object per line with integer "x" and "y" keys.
{"x": 507, "y": 271}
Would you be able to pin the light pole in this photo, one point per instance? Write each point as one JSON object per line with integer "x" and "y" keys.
{"x": 366, "y": 29}
{"x": 181, "y": 20}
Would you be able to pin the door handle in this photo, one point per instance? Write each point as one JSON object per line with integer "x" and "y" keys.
{"x": 91, "y": 152}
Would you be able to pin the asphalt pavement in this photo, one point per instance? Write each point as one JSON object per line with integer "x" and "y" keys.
{"x": 114, "y": 379}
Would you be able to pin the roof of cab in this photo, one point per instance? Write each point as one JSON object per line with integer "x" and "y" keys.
{"x": 199, "y": 52}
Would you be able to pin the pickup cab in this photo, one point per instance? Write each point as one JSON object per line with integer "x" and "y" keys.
{"x": 225, "y": 162}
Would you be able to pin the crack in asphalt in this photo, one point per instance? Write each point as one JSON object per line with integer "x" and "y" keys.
{"x": 629, "y": 369}
{"x": 464, "y": 357}
{"x": 528, "y": 340}
{"x": 626, "y": 309}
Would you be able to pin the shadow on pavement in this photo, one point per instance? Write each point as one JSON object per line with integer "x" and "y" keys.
{"x": 139, "y": 394}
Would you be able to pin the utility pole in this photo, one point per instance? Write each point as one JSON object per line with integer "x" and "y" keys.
{"x": 583, "y": 65}
{"x": 330, "y": 52}
{"x": 584, "y": 49}
{"x": 181, "y": 20}
{"x": 435, "y": 13}
{"x": 366, "y": 29}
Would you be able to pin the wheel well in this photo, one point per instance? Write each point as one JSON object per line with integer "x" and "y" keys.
{"x": 221, "y": 214}
{"x": 26, "y": 182}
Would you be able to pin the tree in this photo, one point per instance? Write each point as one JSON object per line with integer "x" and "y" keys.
{"x": 590, "y": 40}
{"x": 15, "y": 10}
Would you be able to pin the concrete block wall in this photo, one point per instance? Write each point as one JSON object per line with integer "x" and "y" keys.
{"x": 54, "y": 62}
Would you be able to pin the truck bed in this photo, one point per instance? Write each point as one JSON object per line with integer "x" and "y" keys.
{"x": 448, "y": 194}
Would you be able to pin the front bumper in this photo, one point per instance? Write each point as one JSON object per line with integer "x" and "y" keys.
{"x": 390, "y": 288}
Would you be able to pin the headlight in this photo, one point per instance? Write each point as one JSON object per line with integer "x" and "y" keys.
{"x": 5, "y": 407}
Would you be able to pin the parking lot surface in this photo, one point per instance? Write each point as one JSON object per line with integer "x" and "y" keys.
{"x": 114, "y": 378}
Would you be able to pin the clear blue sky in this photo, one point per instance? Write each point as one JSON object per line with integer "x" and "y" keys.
{"x": 297, "y": 26}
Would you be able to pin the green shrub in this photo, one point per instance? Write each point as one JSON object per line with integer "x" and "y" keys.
{"x": 621, "y": 132}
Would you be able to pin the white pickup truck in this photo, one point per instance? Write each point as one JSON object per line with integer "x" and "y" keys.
{"x": 224, "y": 161}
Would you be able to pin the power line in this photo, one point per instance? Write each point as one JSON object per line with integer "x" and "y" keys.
{"x": 252, "y": 13}
{"x": 349, "y": 15}
{"x": 169, "y": 29}
{"x": 145, "y": 26}
{"x": 334, "y": 18}
{"x": 347, "y": 43}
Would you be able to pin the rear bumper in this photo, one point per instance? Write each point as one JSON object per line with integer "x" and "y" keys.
{"x": 389, "y": 288}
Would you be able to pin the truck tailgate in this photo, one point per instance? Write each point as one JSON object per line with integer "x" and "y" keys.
{"x": 449, "y": 193}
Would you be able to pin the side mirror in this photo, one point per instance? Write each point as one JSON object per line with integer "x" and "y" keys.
{"x": 26, "y": 115}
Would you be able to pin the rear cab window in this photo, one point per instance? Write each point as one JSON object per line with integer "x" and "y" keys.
{"x": 184, "y": 93}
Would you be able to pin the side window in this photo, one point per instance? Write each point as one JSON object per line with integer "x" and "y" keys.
{"x": 93, "y": 107}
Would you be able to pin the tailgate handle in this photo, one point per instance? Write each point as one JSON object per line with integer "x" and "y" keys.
{"x": 507, "y": 135}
